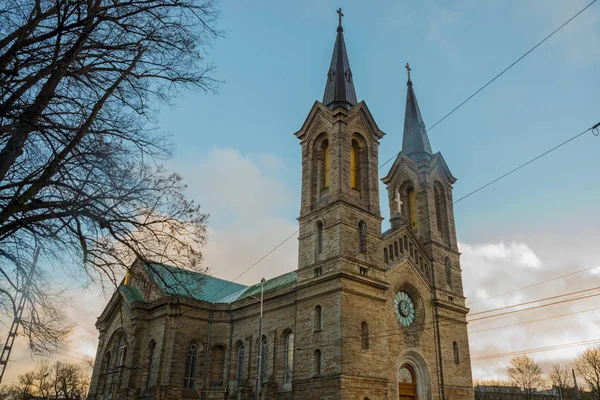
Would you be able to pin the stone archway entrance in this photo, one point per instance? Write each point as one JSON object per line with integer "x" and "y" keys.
{"x": 407, "y": 383}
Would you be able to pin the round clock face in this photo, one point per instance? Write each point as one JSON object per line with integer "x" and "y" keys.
{"x": 405, "y": 308}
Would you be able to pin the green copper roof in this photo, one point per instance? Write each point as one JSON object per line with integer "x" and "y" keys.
{"x": 272, "y": 284}
{"x": 174, "y": 281}
{"x": 131, "y": 293}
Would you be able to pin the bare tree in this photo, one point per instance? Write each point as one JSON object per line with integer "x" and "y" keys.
{"x": 525, "y": 373}
{"x": 560, "y": 376}
{"x": 587, "y": 366}
{"x": 60, "y": 381}
{"x": 80, "y": 153}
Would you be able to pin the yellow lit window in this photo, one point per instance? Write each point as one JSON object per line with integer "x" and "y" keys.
{"x": 412, "y": 205}
{"x": 354, "y": 166}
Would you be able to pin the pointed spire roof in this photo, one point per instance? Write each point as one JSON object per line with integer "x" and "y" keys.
{"x": 339, "y": 90}
{"x": 415, "y": 143}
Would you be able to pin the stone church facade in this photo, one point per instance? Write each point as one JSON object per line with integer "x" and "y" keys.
{"x": 367, "y": 314}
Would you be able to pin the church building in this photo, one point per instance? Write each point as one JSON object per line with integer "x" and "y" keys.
{"x": 367, "y": 314}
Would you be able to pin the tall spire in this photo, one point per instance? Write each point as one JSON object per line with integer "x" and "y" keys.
{"x": 339, "y": 90}
{"x": 415, "y": 143}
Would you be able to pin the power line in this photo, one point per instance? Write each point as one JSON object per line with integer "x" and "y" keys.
{"x": 535, "y": 320}
{"x": 511, "y": 65}
{"x": 533, "y": 284}
{"x": 431, "y": 325}
{"x": 527, "y": 163}
{"x": 456, "y": 108}
{"x": 536, "y": 350}
{"x": 537, "y": 307}
{"x": 537, "y": 301}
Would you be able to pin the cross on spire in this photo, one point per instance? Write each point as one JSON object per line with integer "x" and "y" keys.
{"x": 340, "y": 15}
{"x": 408, "y": 69}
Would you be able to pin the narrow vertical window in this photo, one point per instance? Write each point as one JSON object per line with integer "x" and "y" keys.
{"x": 448, "y": 273}
{"x": 189, "y": 379}
{"x": 317, "y": 362}
{"x": 151, "y": 350}
{"x": 401, "y": 246}
{"x": 364, "y": 335}
{"x": 288, "y": 358}
{"x": 354, "y": 166}
{"x": 326, "y": 163}
{"x": 412, "y": 251}
{"x": 456, "y": 356}
{"x": 391, "y": 253}
{"x": 218, "y": 365}
{"x": 385, "y": 256}
{"x": 317, "y": 319}
{"x": 412, "y": 206}
{"x": 239, "y": 370}
{"x": 438, "y": 209}
{"x": 362, "y": 236}
{"x": 319, "y": 237}
{"x": 396, "y": 252}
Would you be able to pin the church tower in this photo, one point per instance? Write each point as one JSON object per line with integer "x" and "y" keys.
{"x": 419, "y": 186}
{"x": 340, "y": 219}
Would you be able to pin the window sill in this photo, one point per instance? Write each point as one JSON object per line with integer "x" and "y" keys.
{"x": 317, "y": 330}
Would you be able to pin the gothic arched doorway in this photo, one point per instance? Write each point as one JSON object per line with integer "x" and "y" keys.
{"x": 407, "y": 383}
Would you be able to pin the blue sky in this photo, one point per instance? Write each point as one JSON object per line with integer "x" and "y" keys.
{"x": 274, "y": 60}
{"x": 237, "y": 152}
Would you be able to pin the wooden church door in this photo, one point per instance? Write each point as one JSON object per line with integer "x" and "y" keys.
{"x": 407, "y": 383}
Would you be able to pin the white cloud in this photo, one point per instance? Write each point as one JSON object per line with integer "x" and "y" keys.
{"x": 517, "y": 254}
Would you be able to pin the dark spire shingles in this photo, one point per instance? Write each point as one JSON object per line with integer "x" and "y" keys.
{"x": 415, "y": 143}
{"x": 339, "y": 90}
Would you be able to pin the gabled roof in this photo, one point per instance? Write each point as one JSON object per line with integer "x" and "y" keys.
{"x": 339, "y": 90}
{"x": 174, "y": 281}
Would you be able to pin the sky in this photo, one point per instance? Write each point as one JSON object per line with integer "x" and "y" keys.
{"x": 237, "y": 152}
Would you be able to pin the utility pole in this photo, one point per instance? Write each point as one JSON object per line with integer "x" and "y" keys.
{"x": 575, "y": 382}
{"x": 258, "y": 363}
{"x": 12, "y": 334}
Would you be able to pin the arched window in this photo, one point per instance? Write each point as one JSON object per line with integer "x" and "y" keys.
{"x": 362, "y": 236}
{"x": 218, "y": 366}
{"x": 405, "y": 242}
{"x": 288, "y": 358}
{"x": 189, "y": 378}
{"x": 401, "y": 245}
{"x": 239, "y": 366}
{"x": 325, "y": 169}
{"x": 412, "y": 251}
{"x": 448, "y": 273}
{"x": 385, "y": 255}
{"x": 441, "y": 211}
{"x": 364, "y": 335}
{"x": 455, "y": 349}
{"x": 396, "y": 252}
{"x": 391, "y": 253}
{"x": 319, "y": 237}
{"x": 412, "y": 206}
{"x": 317, "y": 362}
{"x": 317, "y": 319}
{"x": 355, "y": 166}
{"x": 151, "y": 351}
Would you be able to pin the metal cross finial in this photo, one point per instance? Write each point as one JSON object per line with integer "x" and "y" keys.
{"x": 408, "y": 70}
{"x": 339, "y": 11}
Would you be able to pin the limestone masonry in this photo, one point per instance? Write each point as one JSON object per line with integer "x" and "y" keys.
{"x": 366, "y": 315}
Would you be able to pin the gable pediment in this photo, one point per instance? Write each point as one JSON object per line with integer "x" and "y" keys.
{"x": 320, "y": 118}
